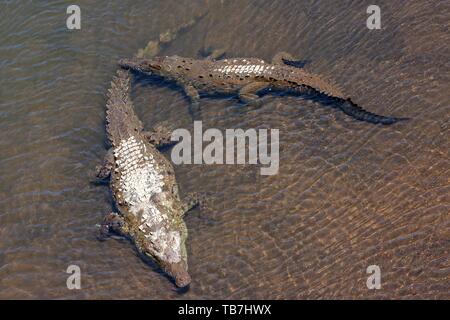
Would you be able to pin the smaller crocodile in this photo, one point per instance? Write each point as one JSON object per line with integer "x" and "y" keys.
{"x": 143, "y": 184}
{"x": 247, "y": 77}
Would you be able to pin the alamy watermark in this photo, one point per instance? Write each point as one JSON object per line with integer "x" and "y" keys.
{"x": 74, "y": 280}
{"x": 73, "y": 22}
{"x": 374, "y": 280}
{"x": 235, "y": 147}
{"x": 374, "y": 20}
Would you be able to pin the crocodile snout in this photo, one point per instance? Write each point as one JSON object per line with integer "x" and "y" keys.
{"x": 178, "y": 271}
{"x": 127, "y": 63}
{"x": 183, "y": 280}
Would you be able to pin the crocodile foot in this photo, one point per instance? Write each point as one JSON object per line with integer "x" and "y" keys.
{"x": 195, "y": 110}
{"x": 251, "y": 100}
{"x": 102, "y": 173}
{"x": 112, "y": 224}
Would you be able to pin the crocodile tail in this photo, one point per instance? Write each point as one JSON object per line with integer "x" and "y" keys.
{"x": 352, "y": 109}
{"x": 313, "y": 84}
{"x": 120, "y": 116}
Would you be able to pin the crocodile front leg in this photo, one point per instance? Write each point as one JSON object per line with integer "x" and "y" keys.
{"x": 284, "y": 58}
{"x": 159, "y": 137}
{"x": 191, "y": 201}
{"x": 103, "y": 171}
{"x": 248, "y": 95}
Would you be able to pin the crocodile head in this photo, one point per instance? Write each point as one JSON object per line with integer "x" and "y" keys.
{"x": 143, "y": 65}
{"x": 168, "y": 248}
{"x": 163, "y": 66}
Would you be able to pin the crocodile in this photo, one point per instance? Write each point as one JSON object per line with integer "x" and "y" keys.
{"x": 142, "y": 181}
{"x": 247, "y": 77}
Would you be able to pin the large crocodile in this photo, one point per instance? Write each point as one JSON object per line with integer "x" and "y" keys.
{"x": 142, "y": 181}
{"x": 247, "y": 77}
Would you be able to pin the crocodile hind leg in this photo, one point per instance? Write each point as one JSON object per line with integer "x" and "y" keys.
{"x": 112, "y": 224}
{"x": 103, "y": 171}
{"x": 284, "y": 58}
{"x": 248, "y": 93}
{"x": 159, "y": 136}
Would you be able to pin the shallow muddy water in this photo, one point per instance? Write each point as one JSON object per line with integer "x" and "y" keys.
{"x": 348, "y": 194}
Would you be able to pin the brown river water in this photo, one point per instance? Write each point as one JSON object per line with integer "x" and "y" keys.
{"x": 348, "y": 194}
